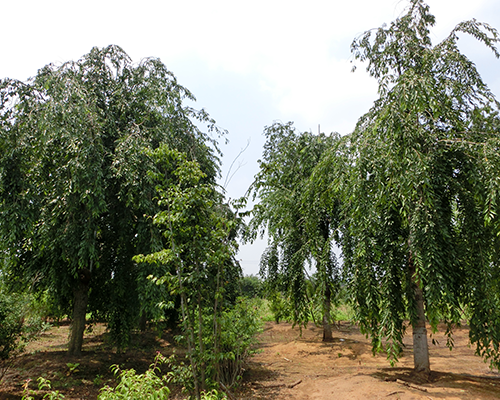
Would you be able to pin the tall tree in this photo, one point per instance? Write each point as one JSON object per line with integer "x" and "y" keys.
{"x": 299, "y": 227}
{"x": 200, "y": 232}
{"x": 74, "y": 188}
{"x": 422, "y": 228}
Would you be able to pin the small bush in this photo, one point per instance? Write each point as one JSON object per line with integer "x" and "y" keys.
{"x": 221, "y": 362}
{"x": 18, "y": 326}
{"x": 239, "y": 328}
{"x": 131, "y": 386}
{"x": 251, "y": 286}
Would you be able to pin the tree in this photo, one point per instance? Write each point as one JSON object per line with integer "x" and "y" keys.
{"x": 75, "y": 194}
{"x": 300, "y": 227}
{"x": 200, "y": 232}
{"x": 422, "y": 227}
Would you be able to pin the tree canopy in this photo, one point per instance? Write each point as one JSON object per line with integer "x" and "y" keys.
{"x": 299, "y": 226}
{"x": 421, "y": 206}
{"x": 76, "y": 199}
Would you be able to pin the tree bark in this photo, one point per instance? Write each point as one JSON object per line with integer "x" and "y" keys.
{"x": 143, "y": 322}
{"x": 327, "y": 327}
{"x": 420, "y": 346}
{"x": 80, "y": 298}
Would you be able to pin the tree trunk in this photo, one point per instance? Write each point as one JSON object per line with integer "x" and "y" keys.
{"x": 327, "y": 327}
{"x": 80, "y": 296}
{"x": 420, "y": 345}
{"x": 200, "y": 344}
{"x": 143, "y": 321}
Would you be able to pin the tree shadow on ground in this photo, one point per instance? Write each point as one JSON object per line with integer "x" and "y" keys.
{"x": 468, "y": 383}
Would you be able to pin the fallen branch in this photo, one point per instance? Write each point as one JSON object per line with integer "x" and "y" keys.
{"x": 278, "y": 385}
{"x": 292, "y": 385}
{"x": 411, "y": 385}
{"x": 396, "y": 392}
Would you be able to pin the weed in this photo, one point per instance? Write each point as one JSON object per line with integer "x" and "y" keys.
{"x": 73, "y": 367}
{"x": 98, "y": 380}
{"x": 43, "y": 384}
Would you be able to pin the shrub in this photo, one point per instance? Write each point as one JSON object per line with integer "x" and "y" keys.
{"x": 251, "y": 286}
{"x": 239, "y": 328}
{"x": 11, "y": 330}
{"x": 222, "y": 360}
{"x": 131, "y": 386}
{"x": 18, "y": 326}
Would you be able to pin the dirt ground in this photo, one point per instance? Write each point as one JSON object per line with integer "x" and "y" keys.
{"x": 289, "y": 366}
{"x": 303, "y": 367}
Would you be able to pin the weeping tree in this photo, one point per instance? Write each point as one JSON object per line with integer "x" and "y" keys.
{"x": 74, "y": 189}
{"x": 422, "y": 227}
{"x": 300, "y": 227}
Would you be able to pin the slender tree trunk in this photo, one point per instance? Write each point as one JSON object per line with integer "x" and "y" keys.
{"x": 200, "y": 344}
{"x": 80, "y": 298}
{"x": 327, "y": 327}
{"x": 188, "y": 326}
{"x": 420, "y": 345}
{"x": 217, "y": 331}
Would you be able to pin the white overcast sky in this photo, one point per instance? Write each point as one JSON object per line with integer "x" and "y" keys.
{"x": 248, "y": 63}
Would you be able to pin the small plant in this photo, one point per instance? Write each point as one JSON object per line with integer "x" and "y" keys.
{"x": 132, "y": 386}
{"x": 43, "y": 384}
{"x": 98, "y": 380}
{"x": 213, "y": 395}
{"x": 72, "y": 368}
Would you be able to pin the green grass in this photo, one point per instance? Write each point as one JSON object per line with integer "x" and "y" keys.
{"x": 343, "y": 312}
{"x": 265, "y": 312}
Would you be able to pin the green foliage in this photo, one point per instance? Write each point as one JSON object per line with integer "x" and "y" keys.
{"x": 224, "y": 356}
{"x": 280, "y": 307}
{"x": 420, "y": 204}
{"x": 301, "y": 226}
{"x": 197, "y": 265}
{"x": 43, "y": 384}
{"x": 19, "y": 324}
{"x": 239, "y": 327}
{"x": 251, "y": 286}
{"x": 150, "y": 385}
{"x": 133, "y": 386}
{"x": 11, "y": 331}
{"x": 213, "y": 395}
{"x": 75, "y": 193}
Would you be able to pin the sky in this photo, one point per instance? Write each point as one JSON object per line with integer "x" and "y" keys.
{"x": 249, "y": 64}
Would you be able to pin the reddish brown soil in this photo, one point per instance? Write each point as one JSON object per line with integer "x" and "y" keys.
{"x": 289, "y": 366}
{"x": 346, "y": 368}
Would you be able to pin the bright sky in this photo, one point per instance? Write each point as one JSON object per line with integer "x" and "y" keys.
{"x": 248, "y": 63}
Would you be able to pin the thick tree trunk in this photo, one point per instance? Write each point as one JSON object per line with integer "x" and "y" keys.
{"x": 420, "y": 345}
{"x": 327, "y": 327}
{"x": 81, "y": 295}
{"x": 80, "y": 299}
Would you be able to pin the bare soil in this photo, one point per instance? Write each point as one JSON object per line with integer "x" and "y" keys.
{"x": 294, "y": 366}
{"x": 290, "y": 365}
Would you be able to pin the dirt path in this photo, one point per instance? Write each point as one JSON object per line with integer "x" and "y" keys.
{"x": 303, "y": 367}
